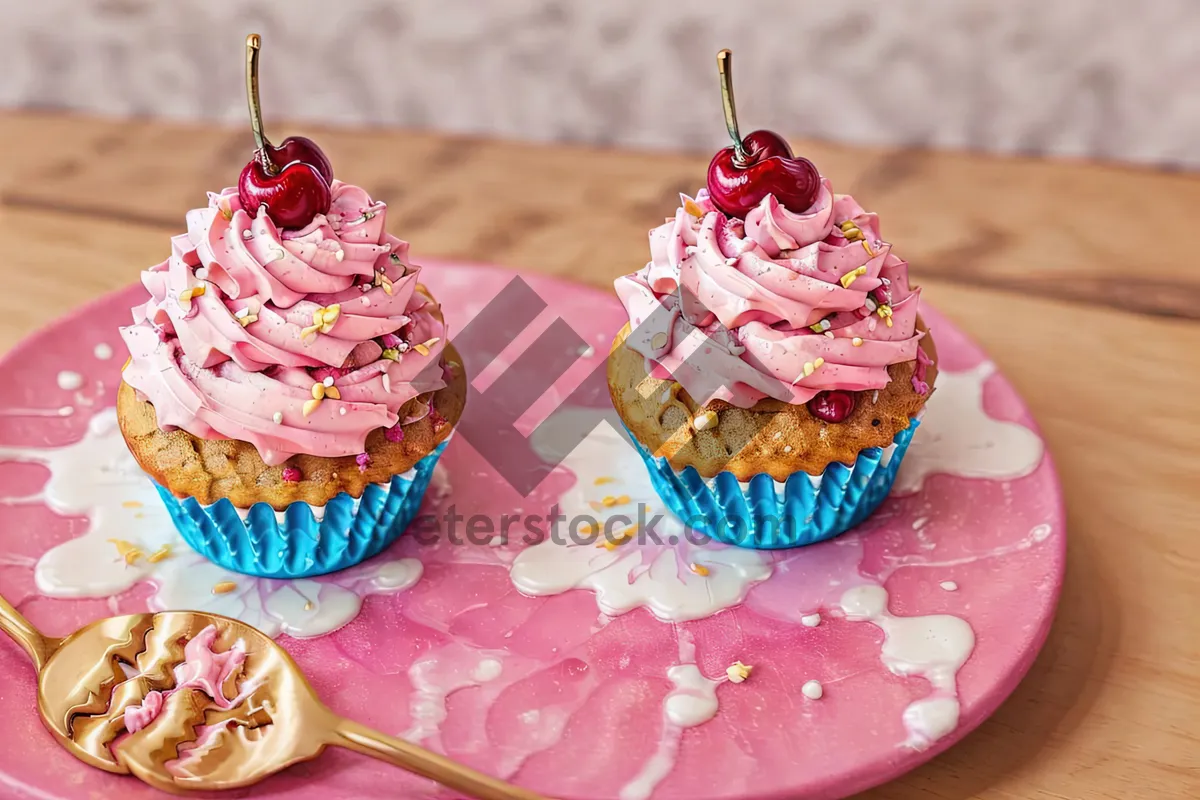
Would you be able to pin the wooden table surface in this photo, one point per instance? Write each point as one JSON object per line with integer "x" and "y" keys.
{"x": 1078, "y": 279}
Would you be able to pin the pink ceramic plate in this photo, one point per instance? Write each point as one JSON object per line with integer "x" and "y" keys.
{"x": 604, "y": 674}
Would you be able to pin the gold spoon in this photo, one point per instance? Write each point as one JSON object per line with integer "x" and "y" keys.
{"x": 87, "y": 680}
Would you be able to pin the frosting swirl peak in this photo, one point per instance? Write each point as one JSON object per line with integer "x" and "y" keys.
{"x": 782, "y": 305}
{"x": 297, "y": 341}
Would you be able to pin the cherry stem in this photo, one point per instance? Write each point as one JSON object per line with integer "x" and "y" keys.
{"x": 253, "y": 45}
{"x": 725, "y": 68}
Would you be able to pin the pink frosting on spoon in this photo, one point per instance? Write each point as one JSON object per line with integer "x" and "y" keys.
{"x": 742, "y": 300}
{"x": 201, "y": 669}
{"x": 207, "y": 373}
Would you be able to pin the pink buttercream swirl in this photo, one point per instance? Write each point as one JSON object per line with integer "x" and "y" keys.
{"x": 240, "y": 360}
{"x": 781, "y": 305}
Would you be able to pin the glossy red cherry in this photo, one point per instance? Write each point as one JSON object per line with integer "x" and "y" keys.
{"x": 293, "y": 196}
{"x": 301, "y": 148}
{"x": 737, "y": 185}
{"x": 832, "y": 406}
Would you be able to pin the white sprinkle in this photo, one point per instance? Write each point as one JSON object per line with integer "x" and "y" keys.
{"x": 949, "y": 586}
{"x": 69, "y": 381}
{"x": 202, "y": 273}
{"x": 242, "y": 313}
{"x": 366, "y": 302}
{"x": 342, "y": 411}
{"x": 731, "y": 262}
{"x": 103, "y": 352}
{"x": 829, "y": 334}
{"x": 811, "y": 620}
{"x": 278, "y": 417}
{"x": 387, "y": 383}
{"x": 813, "y": 690}
{"x": 328, "y": 381}
{"x": 366, "y": 287}
{"x": 689, "y": 250}
{"x": 875, "y": 399}
{"x": 340, "y": 255}
{"x": 787, "y": 448}
{"x": 778, "y": 434}
{"x": 247, "y": 234}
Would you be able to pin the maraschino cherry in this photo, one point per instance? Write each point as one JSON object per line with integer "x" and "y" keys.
{"x": 832, "y": 406}
{"x": 741, "y": 175}
{"x": 295, "y": 192}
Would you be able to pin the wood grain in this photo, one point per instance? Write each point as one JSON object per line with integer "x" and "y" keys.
{"x": 1076, "y": 278}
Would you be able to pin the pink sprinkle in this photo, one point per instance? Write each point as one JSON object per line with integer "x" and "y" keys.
{"x": 291, "y": 475}
{"x": 390, "y": 340}
{"x": 363, "y": 460}
{"x": 395, "y": 434}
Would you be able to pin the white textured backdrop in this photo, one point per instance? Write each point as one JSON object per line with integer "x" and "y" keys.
{"x": 1105, "y": 78}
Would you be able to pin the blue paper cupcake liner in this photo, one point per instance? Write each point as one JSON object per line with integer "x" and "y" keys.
{"x": 763, "y": 513}
{"x": 303, "y": 540}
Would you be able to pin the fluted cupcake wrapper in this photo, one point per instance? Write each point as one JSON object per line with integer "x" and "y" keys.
{"x": 303, "y": 540}
{"x": 763, "y": 513}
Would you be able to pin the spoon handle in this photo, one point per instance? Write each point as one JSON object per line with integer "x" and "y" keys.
{"x": 23, "y": 633}
{"x": 418, "y": 760}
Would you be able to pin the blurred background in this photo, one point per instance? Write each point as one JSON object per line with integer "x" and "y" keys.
{"x": 1117, "y": 79}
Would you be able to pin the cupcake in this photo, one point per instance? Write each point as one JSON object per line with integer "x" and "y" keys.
{"x": 775, "y": 366}
{"x": 290, "y": 385}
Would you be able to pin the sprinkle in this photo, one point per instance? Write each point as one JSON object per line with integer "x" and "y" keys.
{"x": 310, "y": 406}
{"x": 128, "y": 361}
{"x": 812, "y": 690}
{"x": 820, "y": 362}
{"x": 699, "y": 569}
{"x": 291, "y": 475}
{"x": 340, "y": 255}
{"x": 318, "y": 391}
{"x": 201, "y": 273}
{"x": 383, "y": 280}
{"x": 867, "y": 246}
{"x": 328, "y": 381}
{"x": 875, "y": 399}
{"x": 276, "y": 255}
{"x": 949, "y": 586}
{"x": 589, "y": 528}
{"x": 161, "y": 554}
{"x": 127, "y": 550}
{"x": 704, "y": 420}
{"x": 810, "y": 620}
{"x": 787, "y": 448}
{"x": 391, "y": 354}
{"x": 323, "y": 320}
{"x": 131, "y": 504}
{"x": 224, "y": 587}
{"x": 242, "y": 312}
{"x": 856, "y": 341}
{"x": 363, "y": 460}
{"x": 851, "y": 276}
{"x": 821, "y": 327}
{"x": 278, "y": 417}
{"x": 870, "y": 304}
{"x": 603, "y": 480}
{"x": 609, "y": 501}
{"x": 247, "y": 234}
{"x": 248, "y": 320}
{"x": 423, "y": 347}
{"x": 659, "y": 340}
{"x": 308, "y": 606}
{"x": 808, "y": 368}
{"x": 738, "y": 672}
{"x": 185, "y": 297}
{"x": 394, "y": 434}
{"x": 387, "y": 383}
{"x": 731, "y": 261}
{"x": 223, "y": 207}
{"x": 690, "y": 207}
{"x": 847, "y": 224}
{"x": 342, "y": 411}
{"x": 829, "y": 334}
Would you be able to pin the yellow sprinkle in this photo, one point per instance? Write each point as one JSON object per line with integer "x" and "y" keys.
{"x": 421, "y": 348}
{"x": 131, "y": 504}
{"x": 595, "y": 506}
{"x": 693, "y": 209}
{"x": 623, "y": 500}
{"x": 334, "y": 393}
{"x": 128, "y": 361}
{"x": 127, "y": 550}
{"x": 867, "y": 246}
{"x": 308, "y": 606}
{"x": 199, "y": 290}
{"x": 588, "y": 528}
{"x": 310, "y": 406}
{"x": 628, "y": 533}
{"x": 601, "y": 481}
{"x": 161, "y": 554}
{"x": 820, "y": 362}
{"x": 856, "y": 341}
{"x": 847, "y": 224}
{"x": 224, "y": 587}
{"x": 705, "y": 419}
{"x": 609, "y": 501}
{"x": 738, "y": 672}
{"x": 226, "y": 211}
{"x": 318, "y": 391}
{"x": 139, "y": 515}
{"x": 888, "y": 320}
{"x": 851, "y": 276}
{"x": 700, "y": 570}
{"x": 248, "y": 319}
{"x": 808, "y": 368}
